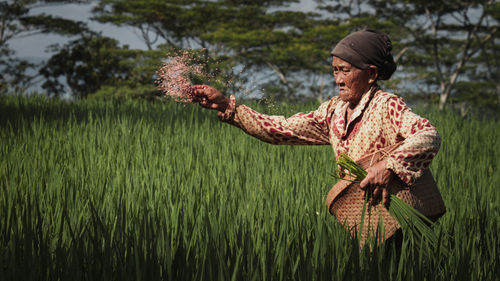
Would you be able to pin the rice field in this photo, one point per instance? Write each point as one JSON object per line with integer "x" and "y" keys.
{"x": 164, "y": 191}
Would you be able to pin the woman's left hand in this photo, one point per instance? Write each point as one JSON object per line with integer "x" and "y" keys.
{"x": 378, "y": 177}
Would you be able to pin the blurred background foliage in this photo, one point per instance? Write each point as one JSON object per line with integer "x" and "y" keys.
{"x": 447, "y": 51}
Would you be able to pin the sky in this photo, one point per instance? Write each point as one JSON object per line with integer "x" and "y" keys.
{"x": 34, "y": 48}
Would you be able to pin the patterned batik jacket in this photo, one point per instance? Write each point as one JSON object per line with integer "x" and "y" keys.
{"x": 380, "y": 119}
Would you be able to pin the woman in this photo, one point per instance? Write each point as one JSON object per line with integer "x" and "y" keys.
{"x": 362, "y": 119}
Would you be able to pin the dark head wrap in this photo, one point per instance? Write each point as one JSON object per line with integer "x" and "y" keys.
{"x": 367, "y": 47}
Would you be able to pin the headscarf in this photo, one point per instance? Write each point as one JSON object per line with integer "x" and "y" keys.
{"x": 367, "y": 47}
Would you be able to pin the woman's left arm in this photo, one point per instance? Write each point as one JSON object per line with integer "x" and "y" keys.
{"x": 421, "y": 141}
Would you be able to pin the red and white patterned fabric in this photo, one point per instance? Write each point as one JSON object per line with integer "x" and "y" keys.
{"x": 381, "y": 119}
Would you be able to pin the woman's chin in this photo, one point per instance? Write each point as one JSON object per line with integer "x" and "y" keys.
{"x": 349, "y": 97}
{"x": 344, "y": 97}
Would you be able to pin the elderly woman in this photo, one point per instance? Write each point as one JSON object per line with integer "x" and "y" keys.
{"x": 361, "y": 120}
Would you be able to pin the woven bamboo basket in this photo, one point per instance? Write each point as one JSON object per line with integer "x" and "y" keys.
{"x": 345, "y": 201}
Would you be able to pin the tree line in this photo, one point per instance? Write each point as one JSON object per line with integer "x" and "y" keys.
{"x": 447, "y": 51}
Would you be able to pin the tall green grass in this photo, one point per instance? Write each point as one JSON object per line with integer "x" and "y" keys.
{"x": 138, "y": 191}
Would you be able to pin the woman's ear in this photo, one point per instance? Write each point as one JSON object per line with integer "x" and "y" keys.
{"x": 373, "y": 74}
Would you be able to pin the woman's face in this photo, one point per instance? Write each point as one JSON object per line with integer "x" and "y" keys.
{"x": 353, "y": 82}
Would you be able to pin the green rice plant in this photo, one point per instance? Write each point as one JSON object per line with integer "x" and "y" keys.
{"x": 93, "y": 190}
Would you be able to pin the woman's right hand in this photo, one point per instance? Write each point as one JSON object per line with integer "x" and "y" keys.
{"x": 209, "y": 97}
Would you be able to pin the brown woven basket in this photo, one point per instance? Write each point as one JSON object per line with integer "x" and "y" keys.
{"x": 345, "y": 201}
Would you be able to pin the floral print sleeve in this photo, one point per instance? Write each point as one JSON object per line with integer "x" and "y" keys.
{"x": 421, "y": 141}
{"x": 301, "y": 128}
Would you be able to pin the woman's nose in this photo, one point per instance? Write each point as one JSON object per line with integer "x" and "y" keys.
{"x": 338, "y": 78}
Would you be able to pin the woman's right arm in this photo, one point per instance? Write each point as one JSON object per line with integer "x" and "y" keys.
{"x": 301, "y": 128}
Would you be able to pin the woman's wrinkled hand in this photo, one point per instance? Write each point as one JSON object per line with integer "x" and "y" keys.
{"x": 378, "y": 178}
{"x": 209, "y": 97}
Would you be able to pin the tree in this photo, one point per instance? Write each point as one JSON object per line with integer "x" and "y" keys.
{"x": 448, "y": 43}
{"x": 17, "y": 22}
{"x": 95, "y": 64}
{"x": 250, "y": 45}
